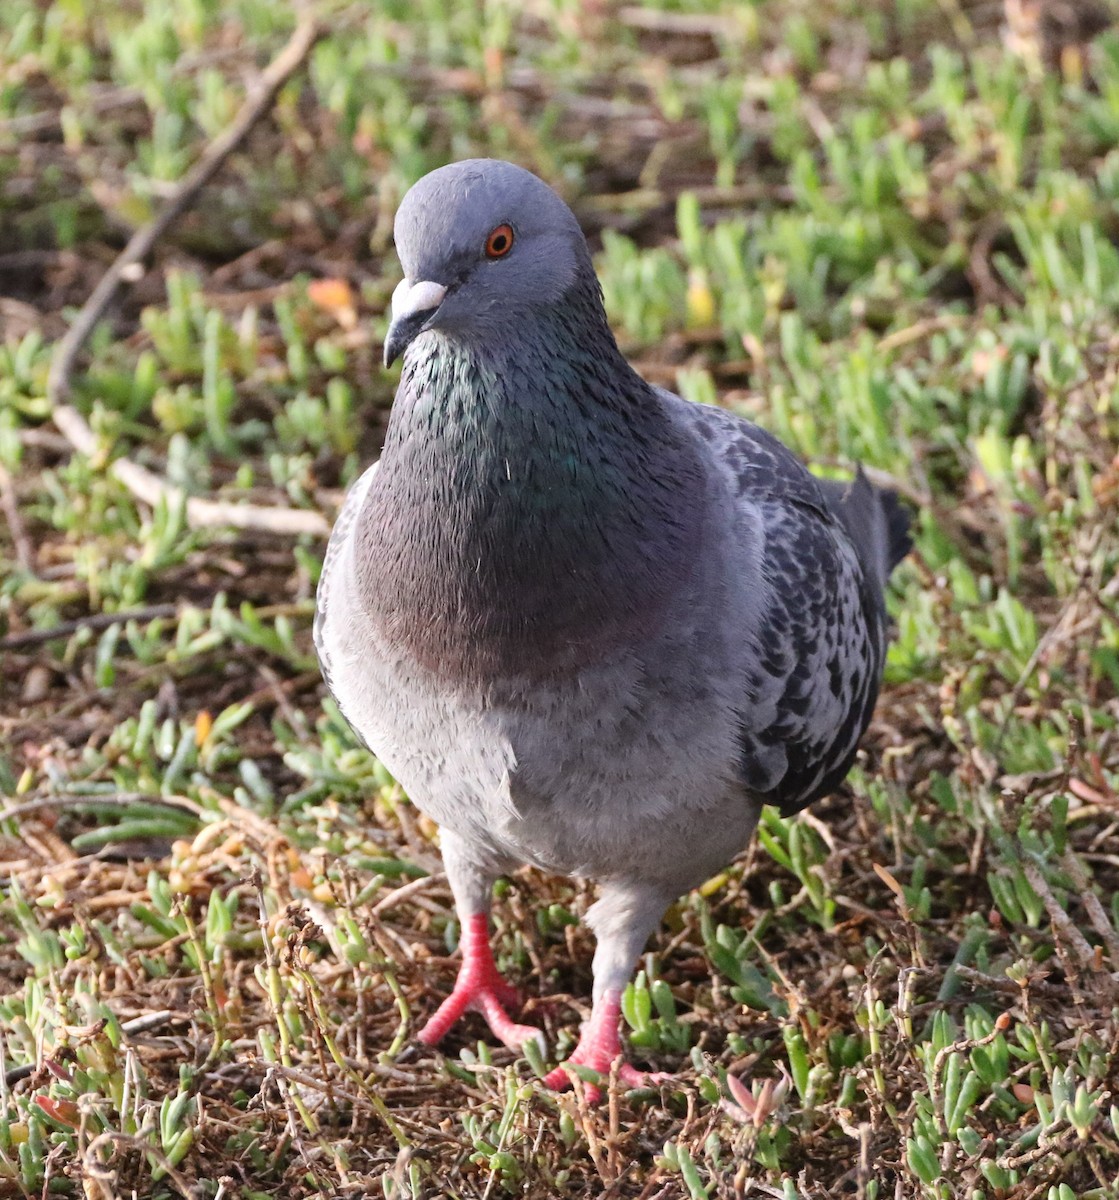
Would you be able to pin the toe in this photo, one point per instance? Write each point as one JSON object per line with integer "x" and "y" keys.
{"x": 629, "y": 1077}
{"x": 558, "y": 1080}
{"x": 440, "y": 1024}
{"x": 508, "y": 1031}
{"x": 488, "y": 1003}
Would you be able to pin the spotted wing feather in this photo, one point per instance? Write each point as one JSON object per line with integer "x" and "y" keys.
{"x": 815, "y": 655}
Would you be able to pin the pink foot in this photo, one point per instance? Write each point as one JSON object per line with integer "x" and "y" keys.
{"x": 479, "y": 988}
{"x": 599, "y": 1047}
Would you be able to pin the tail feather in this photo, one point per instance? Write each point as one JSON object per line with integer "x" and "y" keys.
{"x": 875, "y": 519}
{"x": 897, "y": 526}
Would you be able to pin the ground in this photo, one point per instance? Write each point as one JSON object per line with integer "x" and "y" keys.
{"x": 884, "y": 231}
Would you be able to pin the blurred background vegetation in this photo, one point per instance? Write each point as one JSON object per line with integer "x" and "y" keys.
{"x": 886, "y": 231}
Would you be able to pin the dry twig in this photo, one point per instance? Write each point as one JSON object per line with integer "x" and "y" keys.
{"x": 1063, "y": 926}
{"x": 142, "y": 483}
{"x": 25, "y": 551}
{"x": 95, "y": 621}
{"x": 100, "y": 800}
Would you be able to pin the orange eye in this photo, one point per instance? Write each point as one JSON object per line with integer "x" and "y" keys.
{"x": 500, "y": 242}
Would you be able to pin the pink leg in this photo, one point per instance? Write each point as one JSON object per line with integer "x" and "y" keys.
{"x": 599, "y": 1045}
{"x": 479, "y": 988}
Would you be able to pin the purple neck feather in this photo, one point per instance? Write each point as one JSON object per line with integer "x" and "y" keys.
{"x": 534, "y": 505}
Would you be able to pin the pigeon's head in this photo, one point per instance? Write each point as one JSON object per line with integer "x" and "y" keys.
{"x": 483, "y": 244}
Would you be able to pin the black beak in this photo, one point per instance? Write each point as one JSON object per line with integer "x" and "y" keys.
{"x": 414, "y": 303}
{"x": 402, "y": 331}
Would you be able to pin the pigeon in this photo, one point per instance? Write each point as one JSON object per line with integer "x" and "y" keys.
{"x": 586, "y": 624}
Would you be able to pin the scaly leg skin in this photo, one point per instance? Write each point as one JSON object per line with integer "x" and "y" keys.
{"x": 622, "y": 918}
{"x": 479, "y": 988}
{"x": 599, "y": 1046}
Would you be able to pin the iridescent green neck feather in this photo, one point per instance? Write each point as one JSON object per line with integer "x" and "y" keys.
{"x": 518, "y": 523}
